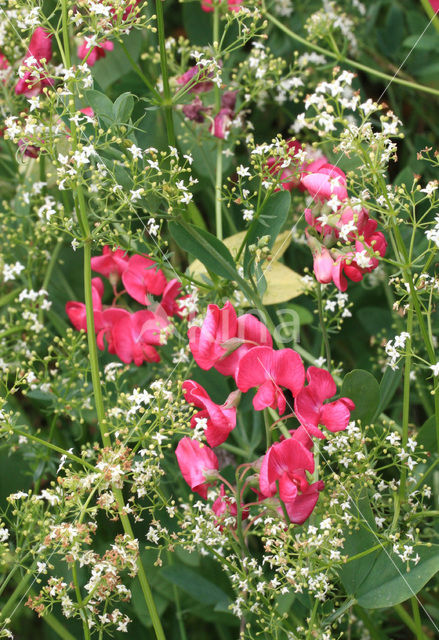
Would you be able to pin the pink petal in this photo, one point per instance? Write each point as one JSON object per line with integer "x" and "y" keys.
{"x": 336, "y": 415}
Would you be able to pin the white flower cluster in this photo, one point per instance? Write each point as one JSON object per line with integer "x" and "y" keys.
{"x": 392, "y": 347}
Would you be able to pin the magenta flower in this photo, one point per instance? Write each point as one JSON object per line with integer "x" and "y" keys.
{"x": 324, "y": 182}
{"x": 223, "y": 338}
{"x": 169, "y": 301}
{"x": 323, "y": 264}
{"x": 196, "y": 461}
{"x": 77, "y": 312}
{"x": 111, "y": 264}
{"x": 434, "y": 5}
{"x": 100, "y": 51}
{"x": 310, "y": 408}
{"x": 284, "y": 468}
{"x": 199, "y": 86}
{"x": 40, "y": 48}
{"x": 270, "y": 370}
{"x": 141, "y": 278}
{"x": 221, "y": 419}
{"x": 232, "y": 5}
{"x": 135, "y": 335}
{"x": 105, "y": 322}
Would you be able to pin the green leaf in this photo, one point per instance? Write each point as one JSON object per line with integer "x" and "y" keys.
{"x": 361, "y": 387}
{"x": 116, "y": 65}
{"x": 388, "y": 386}
{"x": 195, "y": 585}
{"x": 123, "y": 108}
{"x": 353, "y": 573}
{"x": 268, "y": 223}
{"x": 101, "y": 105}
{"x": 389, "y": 582}
{"x": 208, "y": 249}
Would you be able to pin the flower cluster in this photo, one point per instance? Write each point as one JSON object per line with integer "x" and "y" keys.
{"x": 344, "y": 239}
{"x": 133, "y": 337}
{"x": 242, "y": 347}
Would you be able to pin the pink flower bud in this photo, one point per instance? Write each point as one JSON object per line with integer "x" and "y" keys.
{"x": 323, "y": 264}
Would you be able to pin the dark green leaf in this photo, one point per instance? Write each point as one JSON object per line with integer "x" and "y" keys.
{"x": 389, "y": 582}
{"x": 388, "y": 386}
{"x": 123, "y": 108}
{"x": 101, "y": 105}
{"x": 362, "y": 387}
{"x": 195, "y": 585}
{"x": 206, "y": 247}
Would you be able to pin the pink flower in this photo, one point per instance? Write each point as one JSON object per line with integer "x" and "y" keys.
{"x": 434, "y": 5}
{"x": 88, "y": 111}
{"x": 324, "y": 182}
{"x": 223, "y": 338}
{"x": 105, "y": 322}
{"x": 169, "y": 301}
{"x": 323, "y": 264}
{"x": 224, "y": 507}
{"x": 221, "y": 419}
{"x": 111, "y": 264}
{"x": 141, "y": 278}
{"x": 40, "y": 48}
{"x": 221, "y": 123}
{"x": 4, "y": 63}
{"x": 77, "y": 312}
{"x": 200, "y": 86}
{"x": 29, "y": 150}
{"x": 135, "y": 335}
{"x": 290, "y": 176}
{"x": 97, "y": 52}
{"x": 310, "y": 408}
{"x": 270, "y": 370}
{"x": 233, "y": 5}
{"x": 196, "y": 461}
{"x": 284, "y": 468}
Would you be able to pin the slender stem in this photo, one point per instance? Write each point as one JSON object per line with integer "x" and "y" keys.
{"x": 219, "y": 145}
{"x": 406, "y": 618}
{"x": 136, "y": 68}
{"x": 11, "y": 331}
{"x": 164, "y": 67}
{"x": 80, "y": 603}
{"x": 350, "y": 62}
{"x": 9, "y": 607}
{"x": 49, "y": 271}
{"x": 56, "y": 625}
{"x": 49, "y": 445}
{"x": 323, "y": 327}
{"x": 416, "y": 617}
{"x": 406, "y": 398}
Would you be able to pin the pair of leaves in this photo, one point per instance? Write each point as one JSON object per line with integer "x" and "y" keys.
{"x": 370, "y": 398}
{"x": 117, "y": 113}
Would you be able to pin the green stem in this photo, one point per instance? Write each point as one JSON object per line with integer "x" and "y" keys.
{"x": 323, "y": 327}
{"x": 59, "y": 629}
{"x": 416, "y": 617}
{"x": 49, "y": 270}
{"x": 9, "y": 607}
{"x": 219, "y": 146}
{"x": 164, "y": 67}
{"x": 11, "y": 331}
{"x": 406, "y": 398}
{"x": 406, "y": 618}
{"x": 431, "y": 13}
{"x": 80, "y": 603}
{"x": 136, "y": 68}
{"x": 350, "y": 62}
{"x": 49, "y": 445}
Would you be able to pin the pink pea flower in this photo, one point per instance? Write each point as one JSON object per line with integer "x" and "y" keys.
{"x": 169, "y": 301}
{"x": 195, "y": 110}
{"x": 200, "y": 86}
{"x": 324, "y": 182}
{"x": 100, "y": 51}
{"x": 40, "y": 48}
{"x": 4, "y": 63}
{"x": 88, "y": 112}
{"x": 76, "y": 310}
{"x": 141, "y": 278}
{"x": 310, "y": 408}
{"x": 105, "y": 321}
{"x": 434, "y": 5}
{"x": 223, "y": 338}
{"x": 29, "y": 150}
{"x": 290, "y": 176}
{"x": 196, "y": 461}
{"x": 111, "y": 264}
{"x": 221, "y": 419}
{"x": 270, "y": 370}
{"x": 284, "y": 468}
{"x": 135, "y": 336}
{"x": 323, "y": 264}
{"x": 222, "y": 121}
